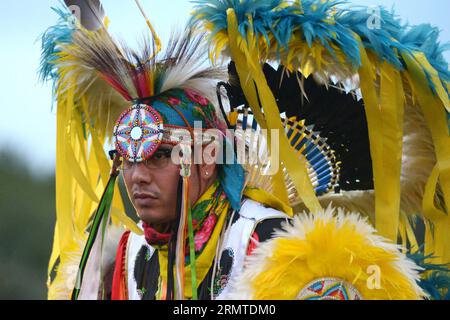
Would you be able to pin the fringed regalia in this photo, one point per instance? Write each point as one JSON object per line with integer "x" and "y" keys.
{"x": 355, "y": 104}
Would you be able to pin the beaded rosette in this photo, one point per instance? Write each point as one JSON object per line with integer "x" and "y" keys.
{"x": 329, "y": 289}
{"x": 138, "y": 133}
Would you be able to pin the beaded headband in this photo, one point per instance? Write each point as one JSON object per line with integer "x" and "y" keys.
{"x": 140, "y": 131}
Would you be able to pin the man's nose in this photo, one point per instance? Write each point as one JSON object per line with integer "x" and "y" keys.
{"x": 140, "y": 174}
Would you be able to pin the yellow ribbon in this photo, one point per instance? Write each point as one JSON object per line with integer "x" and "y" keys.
{"x": 77, "y": 179}
{"x": 436, "y": 118}
{"x": 255, "y": 87}
{"x": 436, "y": 233}
{"x": 385, "y": 126}
{"x": 268, "y": 199}
{"x": 438, "y": 85}
{"x": 64, "y": 231}
{"x": 392, "y": 102}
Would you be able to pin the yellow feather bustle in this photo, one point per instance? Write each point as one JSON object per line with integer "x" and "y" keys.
{"x": 327, "y": 245}
{"x": 405, "y": 185}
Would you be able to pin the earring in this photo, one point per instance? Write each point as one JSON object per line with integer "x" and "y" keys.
{"x": 206, "y": 173}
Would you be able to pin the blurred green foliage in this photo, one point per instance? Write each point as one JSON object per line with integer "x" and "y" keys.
{"x": 27, "y": 219}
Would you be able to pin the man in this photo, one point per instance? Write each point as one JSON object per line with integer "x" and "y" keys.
{"x": 208, "y": 229}
{"x": 173, "y": 98}
{"x": 222, "y": 230}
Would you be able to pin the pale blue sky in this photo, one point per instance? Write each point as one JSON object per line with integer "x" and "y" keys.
{"x": 28, "y": 125}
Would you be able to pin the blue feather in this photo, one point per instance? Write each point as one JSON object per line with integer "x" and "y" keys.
{"x": 435, "y": 278}
{"x": 61, "y": 33}
{"x": 380, "y": 40}
{"x": 425, "y": 38}
{"x": 312, "y": 19}
{"x": 268, "y": 16}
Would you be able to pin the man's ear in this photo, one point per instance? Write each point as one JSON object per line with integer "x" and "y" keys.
{"x": 209, "y": 163}
{"x": 208, "y": 171}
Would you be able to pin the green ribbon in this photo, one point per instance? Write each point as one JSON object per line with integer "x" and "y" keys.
{"x": 192, "y": 255}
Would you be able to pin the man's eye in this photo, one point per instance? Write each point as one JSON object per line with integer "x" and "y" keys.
{"x": 161, "y": 154}
{"x": 127, "y": 164}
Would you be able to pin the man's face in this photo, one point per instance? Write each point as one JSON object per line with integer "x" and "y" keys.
{"x": 153, "y": 188}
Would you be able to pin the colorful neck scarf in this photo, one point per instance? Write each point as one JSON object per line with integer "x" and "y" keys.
{"x": 209, "y": 215}
{"x": 154, "y": 237}
{"x": 203, "y": 221}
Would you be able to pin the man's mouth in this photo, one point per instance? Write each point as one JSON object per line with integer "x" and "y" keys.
{"x": 143, "y": 199}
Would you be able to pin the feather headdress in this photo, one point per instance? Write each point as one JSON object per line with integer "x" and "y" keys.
{"x": 97, "y": 78}
{"x": 398, "y": 71}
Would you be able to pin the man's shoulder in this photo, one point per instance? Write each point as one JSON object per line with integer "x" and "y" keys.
{"x": 257, "y": 211}
{"x": 266, "y": 219}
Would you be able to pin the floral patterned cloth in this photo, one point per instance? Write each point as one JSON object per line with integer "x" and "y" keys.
{"x": 205, "y": 214}
{"x": 190, "y": 104}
